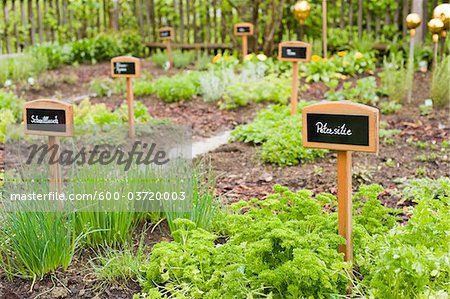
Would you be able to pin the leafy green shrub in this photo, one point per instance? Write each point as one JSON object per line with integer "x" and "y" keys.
{"x": 214, "y": 83}
{"x": 102, "y": 87}
{"x": 279, "y": 134}
{"x": 182, "y": 59}
{"x": 411, "y": 259}
{"x": 203, "y": 62}
{"x": 440, "y": 91}
{"x": 33, "y": 244}
{"x": 395, "y": 80}
{"x": 343, "y": 64}
{"x": 159, "y": 58}
{"x": 54, "y": 53}
{"x": 26, "y": 65}
{"x": 365, "y": 91}
{"x": 283, "y": 247}
{"x": 141, "y": 114}
{"x": 99, "y": 114}
{"x": 143, "y": 88}
{"x": 8, "y": 100}
{"x": 4, "y": 71}
{"x": 390, "y": 107}
{"x": 104, "y": 47}
{"x": 131, "y": 42}
{"x": 6, "y": 118}
{"x": 181, "y": 87}
{"x": 270, "y": 88}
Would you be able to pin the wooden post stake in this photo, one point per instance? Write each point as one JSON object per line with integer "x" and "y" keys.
{"x": 294, "y": 52}
{"x": 54, "y": 119}
{"x": 324, "y": 29}
{"x": 169, "y": 52}
{"x": 344, "y": 181}
{"x": 411, "y": 64}
{"x": 127, "y": 67}
{"x": 244, "y": 30}
{"x": 131, "y": 129}
{"x": 55, "y": 169}
{"x": 435, "y": 53}
{"x": 294, "y": 95}
{"x": 357, "y": 129}
{"x": 244, "y": 46}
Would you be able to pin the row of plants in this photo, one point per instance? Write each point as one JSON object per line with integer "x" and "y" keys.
{"x": 53, "y": 55}
{"x": 84, "y": 113}
{"x": 279, "y": 136}
{"x": 286, "y": 247}
{"x": 282, "y": 247}
{"x": 252, "y": 83}
{"x": 35, "y": 243}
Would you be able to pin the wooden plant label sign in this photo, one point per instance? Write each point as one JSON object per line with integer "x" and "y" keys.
{"x": 48, "y": 117}
{"x": 243, "y": 29}
{"x": 125, "y": 67}
{"x": 294, "y": 51}
{"x": 166, "y": 33}
{"x": 343, "y": 126}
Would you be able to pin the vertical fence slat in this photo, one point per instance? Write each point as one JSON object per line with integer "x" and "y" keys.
{"x": 153, "y": 18}
{"x": 396, "y": 14}
{"x": 350, "y": 14}
{"x": 208, "y": 21}
{"x": 194, "y": 21}
{"x": 360, "y": 17}
{"x": 147, "y": 20}
{"x": 405, "y": 12}
{"x": 215, "y": 20}
{"x": 24, "y": 22}
{"x": 387, "y": 16}
{"x": 181, "y": 22}
{"x": 369, "y": 21}
{"x": 141, "y": 17}
{"x": 40, "y": 25}
{"x": 32, "y": 24}
{"x": 188, "y": 21}
{"x": 6, "y": 16}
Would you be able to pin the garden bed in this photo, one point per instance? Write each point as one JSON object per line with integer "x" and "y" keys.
{"x": 413, "y": 146}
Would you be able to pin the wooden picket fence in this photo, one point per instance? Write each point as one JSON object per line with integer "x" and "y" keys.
{"x": 196, "y": 22}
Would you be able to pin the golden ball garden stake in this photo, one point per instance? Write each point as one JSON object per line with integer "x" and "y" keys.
{"x": 435, "y": 26}
{"x": 413, "y": 21}
{"x": 443, "y": 12}
{"x": 301, "y": 12}
{"x": 324, "y": 29}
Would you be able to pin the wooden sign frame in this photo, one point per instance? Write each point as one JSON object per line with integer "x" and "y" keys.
{"x": 348, "y": 109}
{"x": 298, "y": 45}
{"x": 172, "y": 33}
{"x": 250, "y": 25}
{"x": 50, "y": 104}
{"x": 126, "y": 59}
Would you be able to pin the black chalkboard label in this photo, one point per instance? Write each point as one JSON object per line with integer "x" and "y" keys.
{"x": 165, "y": 33}
{"x": 243, "y": 29}
{"x": 48, "y": 120}
{"x": 124, "y": 68}
{"x": 293, "y": 52}
{"x": 338, "y": 129}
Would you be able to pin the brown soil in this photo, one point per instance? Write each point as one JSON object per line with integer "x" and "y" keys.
{"x": 242, "y": 175}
